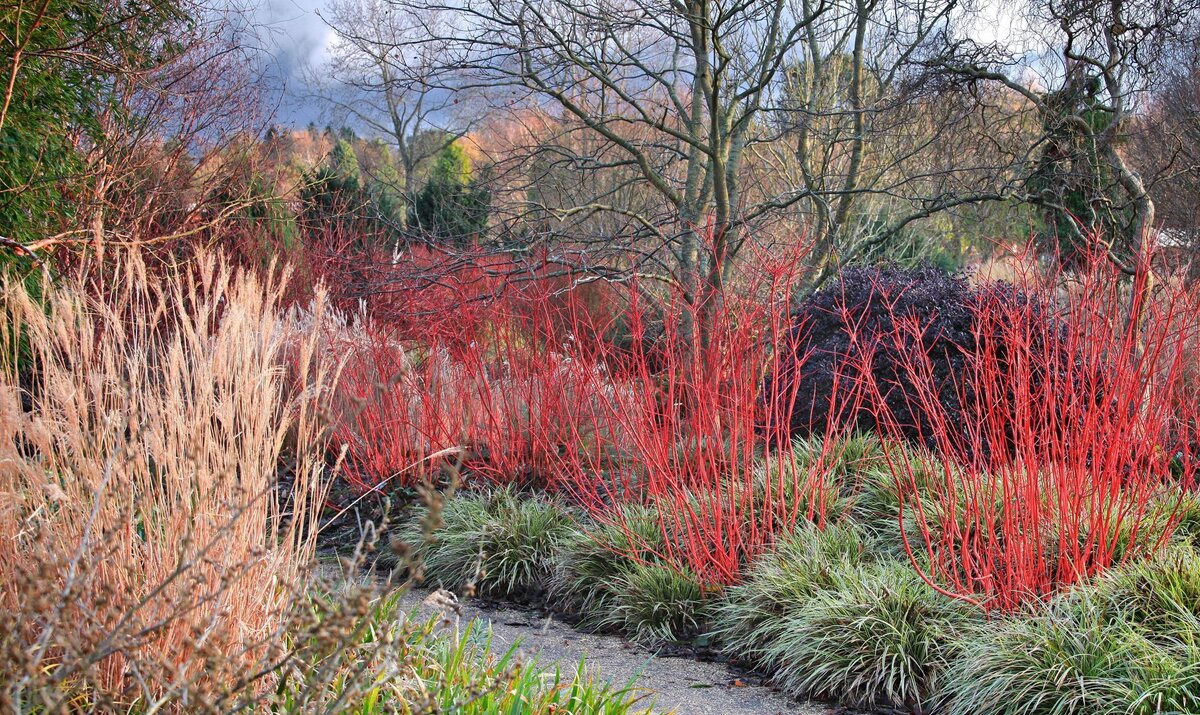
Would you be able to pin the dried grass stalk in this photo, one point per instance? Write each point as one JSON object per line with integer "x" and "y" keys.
{"x": 145, "y": 549}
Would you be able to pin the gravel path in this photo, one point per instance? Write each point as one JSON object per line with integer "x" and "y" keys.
{"x": 682, "y": 685}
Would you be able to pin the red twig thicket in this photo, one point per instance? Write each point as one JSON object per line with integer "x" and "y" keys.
{"x": 1075, "y": 432}
{"x": 608, "y": 394}
{"x": 713, "y": 454}
{"x": 1070, "y": 429}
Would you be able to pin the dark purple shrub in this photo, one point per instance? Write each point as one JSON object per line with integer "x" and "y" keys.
{"x": 854, "y": 323}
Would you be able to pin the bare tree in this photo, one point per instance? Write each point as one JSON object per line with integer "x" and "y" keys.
{"x": 1093, "y": 61}
{"x": 878, "y": 143}
{"x": 391, "y": 78}
{"x": 680, "y": 130}
{"x": 1166, "y": 145}
{"x": 670, "y": 94}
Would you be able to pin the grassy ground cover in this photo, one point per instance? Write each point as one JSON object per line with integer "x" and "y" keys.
{"x": 840, "y": 613}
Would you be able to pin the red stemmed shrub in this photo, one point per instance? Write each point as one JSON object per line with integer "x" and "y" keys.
{"x": 1049, "y": 427}
{"x": 508, "y": 389}
{"x": 419, "y": 293}
{"x": 696, "y": 431}
{"x": 404, "y": 402}
{"x": 1095, "y": 438}
{"x": 648, "y": 401}
{"x": 692, "y": 419}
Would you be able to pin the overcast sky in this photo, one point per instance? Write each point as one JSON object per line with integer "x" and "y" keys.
{"x": 295, "y": 37}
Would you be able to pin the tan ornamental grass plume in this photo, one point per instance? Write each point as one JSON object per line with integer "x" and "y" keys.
{"x": 146, "y": 553}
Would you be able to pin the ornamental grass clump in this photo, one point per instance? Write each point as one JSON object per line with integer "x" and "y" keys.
{"x": 499, "y": 543}
{"x": 752, "y": 615}
{"x": 659, "y": 604}
{"x": 817, "y": 479}
{"x": 1125, "y": 642}
{"x": 146, "y": 553}
{"x": 1179, "y": 511}
{"x": 876, "y": 636}
{"x": 1159, "y": 596}
{"x": 1171, "y": 687}
{"x": 878, "y": 499}
{"x": 593, "y": 561}
{"x": 1060, "y": 661}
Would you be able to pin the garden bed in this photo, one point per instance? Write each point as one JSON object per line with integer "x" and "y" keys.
{"x": 838, "y": 613}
